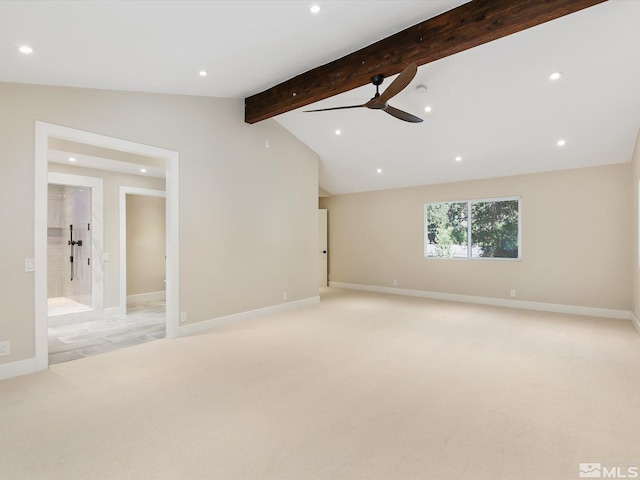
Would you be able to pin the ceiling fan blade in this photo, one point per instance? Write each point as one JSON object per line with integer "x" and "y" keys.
{"x": 402, "y": 115}
{"x": 334, "y": 108}
{"x": 397, "y": 85}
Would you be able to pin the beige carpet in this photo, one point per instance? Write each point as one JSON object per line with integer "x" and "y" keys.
{"x": 362, "y": 386}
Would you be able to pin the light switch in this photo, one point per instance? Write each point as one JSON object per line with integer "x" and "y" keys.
{"x": 105, "y": 257}
{"x": 29, "y": 265}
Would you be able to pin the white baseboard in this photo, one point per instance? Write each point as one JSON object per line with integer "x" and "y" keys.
{"x": 146, "y": 297}
{"x": 243, "y": 316}
{"x": 499, "y": 302}
{"x": 15, "y": 369}
{"x": 635, "y": 323}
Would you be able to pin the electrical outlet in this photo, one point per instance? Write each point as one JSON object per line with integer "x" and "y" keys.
{"x": 5, "y": 348}
{"x": 395, "y": 283}
{"x": 284, "y": 296}
{"x": 512, "y": 293}
{"x": 183, "y": 317}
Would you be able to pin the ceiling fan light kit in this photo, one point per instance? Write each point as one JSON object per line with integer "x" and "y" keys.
{"x": 380, "y": 100}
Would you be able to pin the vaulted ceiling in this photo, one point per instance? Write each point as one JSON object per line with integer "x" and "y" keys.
{"x": 493, "y": 106}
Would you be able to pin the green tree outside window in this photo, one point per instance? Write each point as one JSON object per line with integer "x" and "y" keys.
{"x": 473, "y": 229}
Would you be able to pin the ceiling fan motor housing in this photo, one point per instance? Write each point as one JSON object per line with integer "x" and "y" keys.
{"x": 377, "y": 81}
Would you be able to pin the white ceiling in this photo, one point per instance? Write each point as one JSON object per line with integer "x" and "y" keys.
{"x": 493, "y": 105}
{"x": 161, "y": 45}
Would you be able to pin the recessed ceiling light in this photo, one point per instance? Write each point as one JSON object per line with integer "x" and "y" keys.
{"x": 72, "y": 159}
{"x": 338, "y": 132}
{"x": 379, "y": 170}
{"x": 458, "y": 158}
{"x": 143, "y": 170}
{"x": 26, "y": 49}
{"x": 555, "y": 75}
{"x": 427, "y": 108}
{"x": 203, "y": 73}
{"x": 561, "y": 143}
{"x": 315, "y": 8}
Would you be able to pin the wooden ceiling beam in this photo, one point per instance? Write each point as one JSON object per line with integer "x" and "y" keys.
{"x": 464, "y": 27}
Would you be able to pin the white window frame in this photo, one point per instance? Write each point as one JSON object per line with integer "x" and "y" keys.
{"x": 425, "y": 232}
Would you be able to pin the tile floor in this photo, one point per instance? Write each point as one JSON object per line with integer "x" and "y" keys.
{"x": 143, "y": 323}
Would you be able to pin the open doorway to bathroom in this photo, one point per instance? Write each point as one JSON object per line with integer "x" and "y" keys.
{"x": 77, "y": 250}
{"x": 81, "y": 309}
{"x": 140, "y": 316}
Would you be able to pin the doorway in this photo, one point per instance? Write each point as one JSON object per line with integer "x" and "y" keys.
{"x": 46, "y": 132}
{"x": 142, "y": 280}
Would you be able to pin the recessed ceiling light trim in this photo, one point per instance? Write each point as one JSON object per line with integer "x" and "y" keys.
{"x": 203, "y": 73}
{"x": 561, "y": 143}
{"x": 458, "y": 158}
{"x": 25, "y": 49}
{"x": 72, "y": 159}
{"x": 338, "y": 132}
{"x": 143, "y": 170}
{"x": 555, "y": 76}
{"x": 315, "y": 8}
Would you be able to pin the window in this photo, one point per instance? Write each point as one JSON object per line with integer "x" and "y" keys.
{"x": 473, "y": 229}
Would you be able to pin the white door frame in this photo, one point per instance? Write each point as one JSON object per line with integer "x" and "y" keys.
{"x": 45, "y": 130}
{"x": 124, "y": 191}
{"x": 97, "y": 239}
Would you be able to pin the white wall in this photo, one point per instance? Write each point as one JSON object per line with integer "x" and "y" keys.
{"x": 248, "y": 228}
{"x": 576, "y": 239}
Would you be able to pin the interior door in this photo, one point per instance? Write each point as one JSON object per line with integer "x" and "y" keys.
{"x": 322, "y": 246}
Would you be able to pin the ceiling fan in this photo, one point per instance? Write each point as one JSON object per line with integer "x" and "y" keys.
{"x": 379, "y": 101}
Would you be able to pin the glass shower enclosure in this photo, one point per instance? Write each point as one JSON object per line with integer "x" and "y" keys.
{"x": 69, "y": 282}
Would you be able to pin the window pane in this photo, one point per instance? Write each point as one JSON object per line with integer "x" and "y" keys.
{"x": 446, "y": 230}
{"x": 494, "y": 229}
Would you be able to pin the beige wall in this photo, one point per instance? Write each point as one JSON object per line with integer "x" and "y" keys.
{"x": 111, "y": 183}
{"x": 575, "y": 239}
{"x": 635, "y": 201}
{"x": 146, "y": 245}
{"x": 248, "y": 228}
